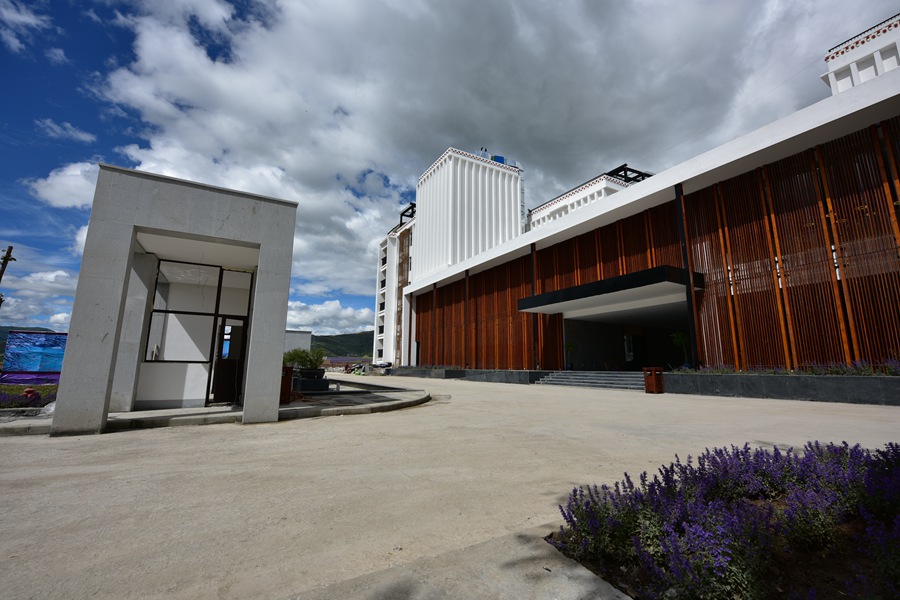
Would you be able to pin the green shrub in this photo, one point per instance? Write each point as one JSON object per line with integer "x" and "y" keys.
{"x": 304, "y": 359}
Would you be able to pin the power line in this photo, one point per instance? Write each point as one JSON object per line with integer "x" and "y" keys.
{"x": 7, "y": 257}
{"x": 730, "y": 113}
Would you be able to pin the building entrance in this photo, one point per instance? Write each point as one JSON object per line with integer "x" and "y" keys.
{"x": 624, "y": 346}
{"x": 623, "y": 323}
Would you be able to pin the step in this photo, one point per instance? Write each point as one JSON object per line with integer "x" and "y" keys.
{"x": 627, "y": 380}
{"x": 598, "y": 386}
{"x": 637, "y": 377}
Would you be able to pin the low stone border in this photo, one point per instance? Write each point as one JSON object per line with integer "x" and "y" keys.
{"x": 521, "y": 377}
{"x": 288, "y": 413}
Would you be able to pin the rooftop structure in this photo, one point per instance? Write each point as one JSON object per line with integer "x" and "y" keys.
{"x": 596, "y": 189}
{"x": 863, "y": 57}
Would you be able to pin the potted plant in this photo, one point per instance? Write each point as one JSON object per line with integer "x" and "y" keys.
{"x": 569, "y": 348}
{"x": 682, "y": 340}
{"x": 307, "y": 364}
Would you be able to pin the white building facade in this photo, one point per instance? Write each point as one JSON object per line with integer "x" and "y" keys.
{"x": 296, "y": 338}
{"x": 466, "y": 204}
{"x": 394, "y": 270}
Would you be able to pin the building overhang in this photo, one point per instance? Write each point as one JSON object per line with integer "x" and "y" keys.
{"x": 654, "y": 288}
{"x": 826, "y": 120}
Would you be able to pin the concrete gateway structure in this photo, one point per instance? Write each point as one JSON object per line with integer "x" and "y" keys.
{"x": 181, "y": 300}
{"x": 779, "y": 249}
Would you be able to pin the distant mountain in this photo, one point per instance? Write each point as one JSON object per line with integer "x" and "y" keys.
{"x": 345, "y": 344}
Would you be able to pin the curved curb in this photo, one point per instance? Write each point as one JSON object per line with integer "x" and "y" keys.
{"x": 308, "y": 412}
{"x": 284, "y": 414}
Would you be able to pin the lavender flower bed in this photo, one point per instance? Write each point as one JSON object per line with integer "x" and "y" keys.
{"x": 743, "y": 523}
{"x": 11, "y": 397}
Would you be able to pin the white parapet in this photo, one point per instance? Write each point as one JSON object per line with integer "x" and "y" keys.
{"x": 863, "y": 57}
{"x": 595, "y": 189}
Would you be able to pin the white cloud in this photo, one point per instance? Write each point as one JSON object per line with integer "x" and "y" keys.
{"x": 60, "y": 318}
{"x": 31, "y": 302}
{"x": 42, "y": 283}
{"x": 340, "y": 106}
{"x": 77, "y": 246}
{"x": 66, "y": 131}
{"x": 328, "y": 318}
{"x": 57, "y": 56}
{"x": 18, "y": 23}
{"x": 70, "y": 186}
{"x": 20, "y": 311}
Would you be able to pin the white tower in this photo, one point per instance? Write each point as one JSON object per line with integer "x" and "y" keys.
{"x": 465, "y": 204}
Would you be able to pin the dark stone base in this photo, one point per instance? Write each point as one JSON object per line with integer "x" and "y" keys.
{"x": 310, "y": 385}
{"x": 517, "y": 377}
{"x": 816, "y": 388}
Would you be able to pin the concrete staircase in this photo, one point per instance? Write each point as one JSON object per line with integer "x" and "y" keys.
{"x": 619, "y": 380}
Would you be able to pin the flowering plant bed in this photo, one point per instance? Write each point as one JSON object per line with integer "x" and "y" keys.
{"x": 13, "y": 396}
{"x": 743, "y": 523}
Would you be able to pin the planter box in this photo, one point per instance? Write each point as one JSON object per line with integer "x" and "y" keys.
{"x": 309, "y": 373}
{"x": 285, "y": 394}
{"x": 816, "y": 388}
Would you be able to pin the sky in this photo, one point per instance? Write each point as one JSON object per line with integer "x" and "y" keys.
{"x": 340, "y": 105}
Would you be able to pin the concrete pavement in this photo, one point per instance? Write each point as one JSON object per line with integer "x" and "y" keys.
{"x": 437, "y": 500}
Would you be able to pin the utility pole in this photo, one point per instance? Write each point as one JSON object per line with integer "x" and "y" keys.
{"x": 7, "y": 256}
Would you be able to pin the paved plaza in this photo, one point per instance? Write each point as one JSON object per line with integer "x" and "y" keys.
{"x": 437, "y": 499}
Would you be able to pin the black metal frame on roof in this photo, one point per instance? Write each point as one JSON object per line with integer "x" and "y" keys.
{"x": 409, "y": 212}
{"x": 627, "y": 174}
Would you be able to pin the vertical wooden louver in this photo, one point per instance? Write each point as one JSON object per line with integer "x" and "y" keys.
{"x": 716, "y": 328}
{"x": 866, "y": 245}
{"x": 813, "y": 306}
{"x": 752, "y": 263}
{"x": 800, "y": 261}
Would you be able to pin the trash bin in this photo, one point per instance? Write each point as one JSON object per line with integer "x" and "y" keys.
{"x": 285, "y": 396}
{"x": 653, "y": 380}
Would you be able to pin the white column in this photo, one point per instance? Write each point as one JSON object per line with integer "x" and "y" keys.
{"x": 138, "y": 303}
{"x": 854, "y": 74}
{"x": 85, "y": 383}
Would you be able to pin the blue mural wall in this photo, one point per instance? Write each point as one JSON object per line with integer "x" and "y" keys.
{"x": 33, "y": 357}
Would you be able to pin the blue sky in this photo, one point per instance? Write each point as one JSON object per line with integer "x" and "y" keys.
{"x": 341, "y": 105}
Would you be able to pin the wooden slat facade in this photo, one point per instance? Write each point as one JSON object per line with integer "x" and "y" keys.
{"x": 800, "y": 259}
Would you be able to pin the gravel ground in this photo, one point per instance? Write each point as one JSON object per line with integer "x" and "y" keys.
{"x": 268, "y": 511}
